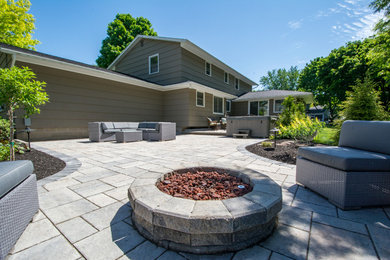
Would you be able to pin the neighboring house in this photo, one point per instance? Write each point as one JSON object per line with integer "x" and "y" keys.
{"x": 267, "y": 103}
{"x": 318, "y": 112}
{"x": 154, "y": 79}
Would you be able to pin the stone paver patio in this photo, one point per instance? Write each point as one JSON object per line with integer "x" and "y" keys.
{"x": 85, "y": 213}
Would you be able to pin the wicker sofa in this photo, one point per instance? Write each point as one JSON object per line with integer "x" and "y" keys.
{"x": 354, "y": 174}
{"x": 151, "y": 131}
{"x": 18, "y": 201}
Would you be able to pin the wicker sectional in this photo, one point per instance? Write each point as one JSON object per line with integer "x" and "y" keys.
{"x": 19, "y": 204}
{"x": 151, "y": 131}
{"x": 357, "y": 172}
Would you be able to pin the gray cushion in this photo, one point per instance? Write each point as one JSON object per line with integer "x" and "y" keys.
{"x": 107, "y": 125}
{"x": 111, "y": 130}
{"x": 346, "y": 159}
{"x": 13, "y": 173}
{"x": 148, "y": 130}
{"x": 148, "y": 125}
{"x": 125, "y": 125}
{"x": 372, "y": 136}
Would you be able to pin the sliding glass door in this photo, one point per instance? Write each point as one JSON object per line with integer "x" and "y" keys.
{"x": 258, "y": 108}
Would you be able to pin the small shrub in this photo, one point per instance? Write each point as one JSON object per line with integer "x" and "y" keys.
{"x": 4, "y": 129}
{"x": 301, "y": 129}
{"x": 362, "y": 103}
{"x": 4, "y": 152}
{"x": 266, "y": 144}
{"x": 292, "y": 108}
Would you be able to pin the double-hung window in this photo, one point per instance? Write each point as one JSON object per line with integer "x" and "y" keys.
{"x": 199, "y": 99}
{"x": 154, "y": 64}
{"x": 226, "y": 78}
{"x": 278, "y": 106}
{"x": 237, "y": 83}
{"x": 207, "y": 69}
{"x": 228, "y": 105}
{"x": 218, "y": 105}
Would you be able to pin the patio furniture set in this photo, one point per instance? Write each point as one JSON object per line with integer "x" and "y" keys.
{"x": 355, "y": 174}
{"x": 131, "y": 131}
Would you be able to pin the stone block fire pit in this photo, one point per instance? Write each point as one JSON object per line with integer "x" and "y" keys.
{"x": 206, "y": 226}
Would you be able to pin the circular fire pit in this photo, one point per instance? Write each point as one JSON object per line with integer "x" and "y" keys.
{"x": 206, "y": 226}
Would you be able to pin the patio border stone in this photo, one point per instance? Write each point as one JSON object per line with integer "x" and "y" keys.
{"x": 72, "y": 164}
{"x": 211, "y": 226}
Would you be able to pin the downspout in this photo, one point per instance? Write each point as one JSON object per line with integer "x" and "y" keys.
{"x": 13, "y": 60}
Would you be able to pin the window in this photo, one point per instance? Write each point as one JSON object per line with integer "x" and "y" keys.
{"x": 237, "y": 84}
{"x": 218, "y": 105}
{"x": 226, "y": 78}
{"x": 258, "y": 108}
{"x": 278, "y": 106}
{"x": 207, "y": 69}
{"x": 228, "y": 105}
{"x": 153, "y": 64}
{"x": 199, "y": 99}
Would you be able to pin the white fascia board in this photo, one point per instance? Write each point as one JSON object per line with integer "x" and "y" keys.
{"x": 198, "y": 87}
{"x": 308, "y": 97}
{"x": 61, "y": 65}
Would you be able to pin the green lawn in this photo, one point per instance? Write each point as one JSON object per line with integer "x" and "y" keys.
{"x": 326, "y": 136}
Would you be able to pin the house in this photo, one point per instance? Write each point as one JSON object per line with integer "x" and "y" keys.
{"x": 319, "y": 112}
{"x": 153, "y": 79}
{"x": 265, "y": 103}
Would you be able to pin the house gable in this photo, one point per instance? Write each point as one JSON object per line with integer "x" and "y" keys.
{"x": 135, "y": 62}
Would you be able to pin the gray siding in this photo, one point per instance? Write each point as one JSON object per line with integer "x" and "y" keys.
{"x": 193, "y": 69}
{"x": 180, "y": 107}
{"x": 136, "y": 62}
{"x": 198, "y": 115}
{"x": 176, "y": 65}
{"x": 77, "y": 99}
{"x": 5, "y": 60}
{"x": 177, "y": 107}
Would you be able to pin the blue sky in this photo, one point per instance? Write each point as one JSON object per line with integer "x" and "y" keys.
{"x": 250, "y": 36}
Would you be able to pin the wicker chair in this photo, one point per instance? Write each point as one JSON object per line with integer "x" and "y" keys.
{"x": 18, "y": 201}
{"x": 354, "y": 174}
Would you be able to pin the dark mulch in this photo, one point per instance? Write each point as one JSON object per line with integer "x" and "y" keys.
{"x": 286, "y": 150}
{"x": 44, "y": 164}
{"x": 203, "y": 185}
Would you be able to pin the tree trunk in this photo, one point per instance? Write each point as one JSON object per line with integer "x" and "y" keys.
{"x": 11, "y": 135}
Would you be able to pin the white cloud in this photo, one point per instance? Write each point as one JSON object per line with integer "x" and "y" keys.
{"x": 361, "y": 19}
{"x": 295, "y": 24}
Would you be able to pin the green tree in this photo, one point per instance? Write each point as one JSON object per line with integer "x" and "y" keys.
{"x": 281, "y": 79}
{"x": 16, "y": 25}
{"x": 120, "y": 33}
{"x": 328, "y": 78}
{"x": 19, "y": 89}
{"x": 363, "y": 103}
{"x": 382, "y": 6}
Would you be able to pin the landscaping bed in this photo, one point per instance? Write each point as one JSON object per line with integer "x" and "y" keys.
{"x": 286, "y": 150}
{"x": 203, "y": 185}
{"x": 44, "y": 164}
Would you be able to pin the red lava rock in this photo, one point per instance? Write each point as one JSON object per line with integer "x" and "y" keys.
{"x": 203, "y": 185}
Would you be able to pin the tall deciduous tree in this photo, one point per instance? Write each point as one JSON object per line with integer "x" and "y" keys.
{"x": 16, "y": 25}
{"x": 330, "y": 77}
{"x": 19, "y": 89}
{"x": 120, "y": 33}
{"x": 281, "y": 79}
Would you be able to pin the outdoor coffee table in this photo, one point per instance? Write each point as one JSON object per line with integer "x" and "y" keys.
{"x": 128, "y": 136}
